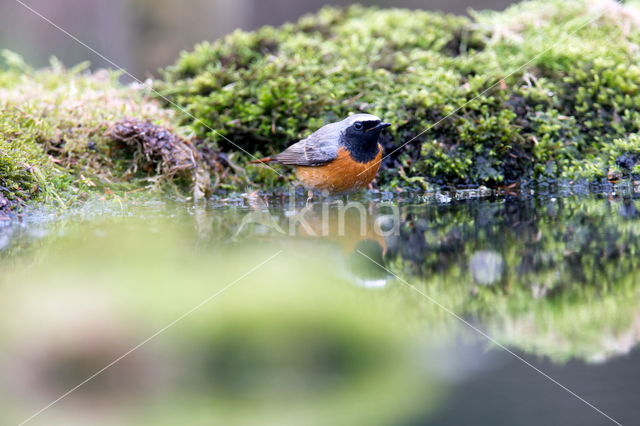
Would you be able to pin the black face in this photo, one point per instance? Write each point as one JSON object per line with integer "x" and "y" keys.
{"x": 361, "y": 139}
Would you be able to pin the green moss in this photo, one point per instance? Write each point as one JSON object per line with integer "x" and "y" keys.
{"x": 25, "y": 170}
{"x": 54, "y": 139}
{"x": 571, "y": 91}
{"x": 541, "y": 90}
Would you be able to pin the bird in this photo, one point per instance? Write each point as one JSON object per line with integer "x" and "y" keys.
{"x": 338, "y": 158}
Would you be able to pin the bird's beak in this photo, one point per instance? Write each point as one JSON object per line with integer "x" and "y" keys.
{"x": 380, "y": 126}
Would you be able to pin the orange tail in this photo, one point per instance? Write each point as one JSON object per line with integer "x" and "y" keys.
{"x": 261, "y": 161}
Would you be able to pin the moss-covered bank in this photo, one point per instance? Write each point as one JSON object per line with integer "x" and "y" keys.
{"x": 67, "y": 133}
{"x": 566, "y": 103}
{"x": 545, "y": 89}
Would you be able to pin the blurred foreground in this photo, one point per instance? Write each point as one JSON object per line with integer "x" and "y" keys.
{"x": 265, "y": 333}
{"x": 257, "y": 311}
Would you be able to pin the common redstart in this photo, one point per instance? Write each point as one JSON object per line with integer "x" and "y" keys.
{"x": 337, "y": 158}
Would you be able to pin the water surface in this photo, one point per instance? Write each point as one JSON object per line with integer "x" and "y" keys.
{"x": 379, "y": 309}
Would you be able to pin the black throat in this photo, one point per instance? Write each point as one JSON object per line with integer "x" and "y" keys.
{"x": 362, "y": 148}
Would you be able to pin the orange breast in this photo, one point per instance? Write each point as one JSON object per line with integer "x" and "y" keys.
{"x": 341, "y": 175}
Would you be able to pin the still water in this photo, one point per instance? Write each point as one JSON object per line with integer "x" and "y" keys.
{"x": 452, "y": 308}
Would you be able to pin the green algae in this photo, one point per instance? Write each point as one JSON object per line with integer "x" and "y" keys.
{"x": 544, "y": 89}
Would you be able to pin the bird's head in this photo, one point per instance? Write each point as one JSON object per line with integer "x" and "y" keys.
{"x": 360, "y": 134}
{"x": 364, "y": 127}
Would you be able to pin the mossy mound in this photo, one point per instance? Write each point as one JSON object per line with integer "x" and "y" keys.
{"x": 55, "y": 142}
{"x": 25, "y": 170}
{"x": 544, "y": 89}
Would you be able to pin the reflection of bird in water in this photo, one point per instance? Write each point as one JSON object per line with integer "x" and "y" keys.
{"x": 353, "y": 230}
{"x": 343, "y": 225}
{"x": 364, "y": 263}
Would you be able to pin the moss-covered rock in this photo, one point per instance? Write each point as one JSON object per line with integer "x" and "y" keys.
{"x": 25, "y": 170}
{"x": 57, "y": 140}
{"x": 544, "y": 89}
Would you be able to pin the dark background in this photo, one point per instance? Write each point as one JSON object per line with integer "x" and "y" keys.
{"x": 143, "y": 35}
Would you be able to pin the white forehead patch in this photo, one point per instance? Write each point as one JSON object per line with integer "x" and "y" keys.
{"x": 360, "y": 117}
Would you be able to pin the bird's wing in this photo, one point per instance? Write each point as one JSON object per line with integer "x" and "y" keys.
{"x": 319, "y": 148}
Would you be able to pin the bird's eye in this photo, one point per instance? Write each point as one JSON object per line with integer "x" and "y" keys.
{"x": 358, "y": 125}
